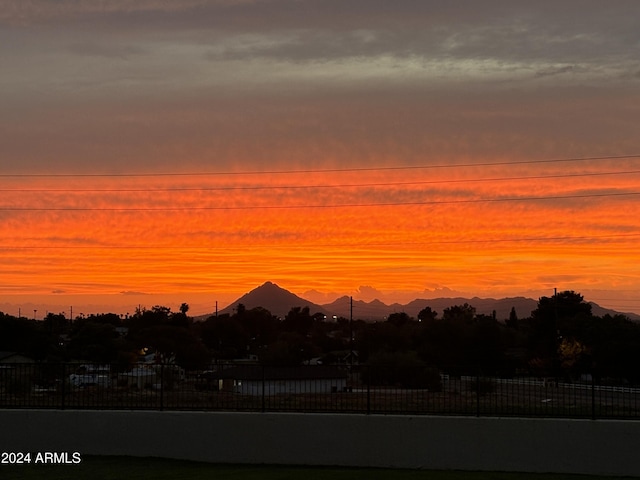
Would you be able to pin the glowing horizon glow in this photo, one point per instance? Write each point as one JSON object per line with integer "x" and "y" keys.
{"x": 228, "y": 234}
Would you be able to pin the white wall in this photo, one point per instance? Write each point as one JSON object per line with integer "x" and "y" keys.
{"x": 497, "y": 444}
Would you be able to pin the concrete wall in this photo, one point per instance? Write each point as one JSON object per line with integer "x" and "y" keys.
{"x": 497, "y": 444}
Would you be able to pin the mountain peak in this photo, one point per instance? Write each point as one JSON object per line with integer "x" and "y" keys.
{"x": 267, "y": 285}
{"x": 274, "y": 298}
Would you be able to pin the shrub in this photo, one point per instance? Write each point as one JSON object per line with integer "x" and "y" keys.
{"x": 481, "y": 386}
{"x": 403, "y": 370}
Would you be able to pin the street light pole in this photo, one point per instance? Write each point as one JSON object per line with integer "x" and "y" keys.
{"x": 351, "y": 330}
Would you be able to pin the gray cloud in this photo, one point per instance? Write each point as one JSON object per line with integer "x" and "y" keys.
{"x": 105, "y": 50}
{"x": 102, "y": 83}
{"x": 497, "y": 39}
{"x": 408, "y": 125}
{"x": 297, "y": 13}
{"x": 512, "y": 41}
{"x": 555, "y": 71}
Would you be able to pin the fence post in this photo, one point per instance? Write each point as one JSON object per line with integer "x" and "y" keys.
{"x": 63, "y": 382}
{"x": 161, "y": 386}
{"x": 478, "y": 392}
{"x": 368, "y": 369}
{"x": 593, "y": 396}
{"x": 263, "y": 380}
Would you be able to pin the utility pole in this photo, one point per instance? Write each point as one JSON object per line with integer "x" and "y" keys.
{"x": 351, "y": 329}
{"x": 556, "y": 356}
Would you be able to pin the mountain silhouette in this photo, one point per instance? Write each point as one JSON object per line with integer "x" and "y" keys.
{"x": 275, "y": 299}
{"x": 280, "y": 301}
{"x": 376, "y": 310}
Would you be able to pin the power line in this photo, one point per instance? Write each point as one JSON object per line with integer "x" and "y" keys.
{"x": 328, "y": 170}
{"x": 339, "y": 185}
{"x": 312, "y": 206}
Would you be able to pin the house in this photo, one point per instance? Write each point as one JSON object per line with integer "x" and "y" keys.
{"x": 259, "y": 380}
{"x": 340, "y": 357}
{"x": 142, "y": 376}
{"x": 151, "y": 376}
{"x": 91, "y": 375}
{"x": 13, "y": 357}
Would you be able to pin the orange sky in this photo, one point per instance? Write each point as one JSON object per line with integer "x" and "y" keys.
{"x": 222, "y": 235}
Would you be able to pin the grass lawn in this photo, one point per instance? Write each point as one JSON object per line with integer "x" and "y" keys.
{"x": 130, "y": 468}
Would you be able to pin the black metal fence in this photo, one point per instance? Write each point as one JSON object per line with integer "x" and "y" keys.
{"x": 335, "y": 389}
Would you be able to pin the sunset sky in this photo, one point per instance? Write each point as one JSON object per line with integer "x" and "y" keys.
{"x": 160, "y": 152}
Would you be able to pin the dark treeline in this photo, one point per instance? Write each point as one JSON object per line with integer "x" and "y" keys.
{"x": 561, "y": 337}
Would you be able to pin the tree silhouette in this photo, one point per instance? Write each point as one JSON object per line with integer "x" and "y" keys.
{"x": 562, "y": 316}
{"x": 299, "y": 320}
{"x": 513, "y": 318}
{"x": 459, "y": 313}
{"x": 427, "y": 315}
{"x": 399, "y": 318}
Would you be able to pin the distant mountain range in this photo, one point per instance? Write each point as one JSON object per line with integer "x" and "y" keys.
{"x": 376, "y": 310}
{"x": 280, "y": 301}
